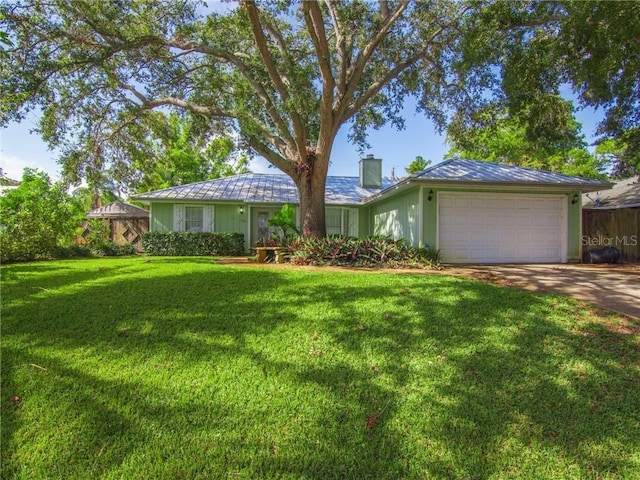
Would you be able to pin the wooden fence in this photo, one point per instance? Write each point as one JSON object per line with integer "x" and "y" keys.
{"x": 122, "y": 231}
{"x": 618, "y": 228}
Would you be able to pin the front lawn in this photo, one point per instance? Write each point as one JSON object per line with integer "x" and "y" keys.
{"x": 180, "y": 368}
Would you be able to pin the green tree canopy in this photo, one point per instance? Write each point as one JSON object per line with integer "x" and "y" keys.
{"x": 530, "y": 49}
{"x": 180, "y": 155}
{"x": 37, "y": 217}
{"x": 417, "y": 165}
{"x": 501, "y": 138}
{"x": 622, "y": 153}
{"x": 285, "y": 75}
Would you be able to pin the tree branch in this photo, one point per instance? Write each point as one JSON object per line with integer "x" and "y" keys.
{"x": 150, "y": 104}
{"x": 263, "y": 49}
{"x": 315, "y": 26}
{"x": 275, "y": 159}
{"x": 341, "y": 50}
{"x": 277, "y": 37}
{"x": 384, "y": 8}
{"x": 261, "y": 43}
{"x": 378, "y": 85}
{"x": 364, "y": 55}
{"x": 228, "y": 57}
{"x": 283, "y": 147}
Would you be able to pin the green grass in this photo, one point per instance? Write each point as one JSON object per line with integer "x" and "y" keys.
{"x": 180, "y": 368}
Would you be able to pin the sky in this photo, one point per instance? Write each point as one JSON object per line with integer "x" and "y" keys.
{"x": 20, "y": 148}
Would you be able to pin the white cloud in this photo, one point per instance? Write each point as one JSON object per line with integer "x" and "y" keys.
{"x": 260, "y": 165}
{"x": 13, "y": 165}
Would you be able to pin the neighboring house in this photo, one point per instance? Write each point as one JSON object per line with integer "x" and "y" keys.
{"x": 127, "y": 223}
{"x": 473, "y": 211}
{"x": 611, "y": 218}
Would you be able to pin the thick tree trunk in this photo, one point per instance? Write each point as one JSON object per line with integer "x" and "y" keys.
{"x": 311, "y": 182}
{"x": 311, "y": 188}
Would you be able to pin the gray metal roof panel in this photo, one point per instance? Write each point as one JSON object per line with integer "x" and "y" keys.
{"x": 279, "y": 188}
{"x": 458, "y": 169}
{"x": 263, "y": 188}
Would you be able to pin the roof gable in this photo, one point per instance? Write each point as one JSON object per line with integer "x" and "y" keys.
{"x": 624, "y": 194}
{"x": 118, "y": 210}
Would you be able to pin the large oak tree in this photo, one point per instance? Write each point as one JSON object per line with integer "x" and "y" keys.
{"x": 286, "y": 75}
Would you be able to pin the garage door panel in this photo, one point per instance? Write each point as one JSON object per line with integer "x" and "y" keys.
{"x": 499, "y": 228}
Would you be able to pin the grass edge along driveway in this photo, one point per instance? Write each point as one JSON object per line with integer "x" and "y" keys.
{"x": 181, "y": 368}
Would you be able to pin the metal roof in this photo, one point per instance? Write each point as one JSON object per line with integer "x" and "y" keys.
{"x": 263, "y": 188}
{"x": 279, "y": 188}
{"x": 463, "y": 170}
{"x": 624, "y": 194}
{"x": 118, "y": 210}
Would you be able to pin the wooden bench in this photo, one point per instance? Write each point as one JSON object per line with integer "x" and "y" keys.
{"x": 262, "y": 254}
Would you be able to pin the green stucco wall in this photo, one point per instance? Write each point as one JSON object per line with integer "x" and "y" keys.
{"x": 363, "y": 222}
{"x": 574, "y": 229}
{"x": 229, "y": 219}
{"x": 161, "y": 217}
{"x": 430, "y": 219}
{"x": 397, "y": 217}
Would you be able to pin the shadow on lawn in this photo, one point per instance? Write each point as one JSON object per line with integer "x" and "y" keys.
{"x": 499, "y": 383}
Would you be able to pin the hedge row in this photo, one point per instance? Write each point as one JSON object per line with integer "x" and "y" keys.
{"x": 193, "y": 243}
{"x": 10, "y": 254}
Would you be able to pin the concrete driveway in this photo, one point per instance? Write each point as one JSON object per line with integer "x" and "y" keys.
{"x": 614, "y": 287}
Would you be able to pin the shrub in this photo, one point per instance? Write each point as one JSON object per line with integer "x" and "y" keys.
{"x": 13, "y": 252}
{"x": 110, "y": 249}
{"x": 193, "y": 243}
{"x": 72, "y": 251}
{"x": 368, "y": 252}
{"x": 99, "y": 231}
{"x": 285, "y": 220}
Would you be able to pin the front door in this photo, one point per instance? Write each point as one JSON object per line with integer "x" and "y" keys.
{"x": 260, "y": 228}
{"x": 264, "y": 230}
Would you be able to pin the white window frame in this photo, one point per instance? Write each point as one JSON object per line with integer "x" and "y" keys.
{"x": 348, "y": 221}
{"x": 198, "y": 223}
{"x": 180, "y": 220}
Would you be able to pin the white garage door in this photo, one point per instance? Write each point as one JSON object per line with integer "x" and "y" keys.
{"x": 502, "y": 228}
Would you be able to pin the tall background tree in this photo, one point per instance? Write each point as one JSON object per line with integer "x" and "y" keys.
{"x": 531, "y": 50}
{"x": 36, "y": 218}
{"x": 622, "y": 153}
{"x": 288, "y": 75}
{"x": 178, "y": 154}
{"x": 502, "y": 138}
{"x": 417, "y": 165}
